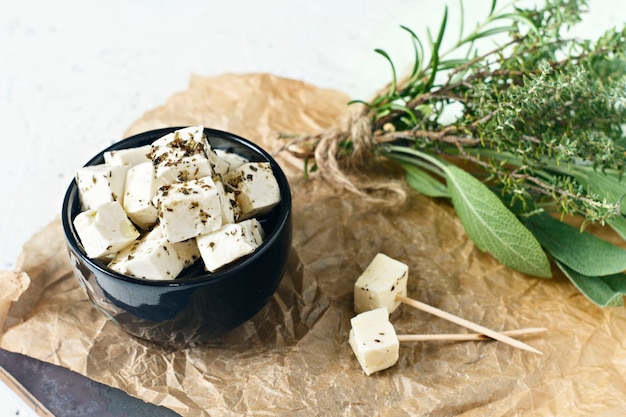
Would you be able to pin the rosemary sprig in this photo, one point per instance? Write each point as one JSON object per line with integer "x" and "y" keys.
{"x": 537, "y": 135}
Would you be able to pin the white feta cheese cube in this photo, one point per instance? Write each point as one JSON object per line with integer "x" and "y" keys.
{"x": 181, "y": 156}
{"x": 139, "y": 191}
{"x": 128, "y": 157}
{"x": 256, "y": 229}
{"x": 256, "y": 188}
{"x": 149, "y": 258}
{"x": 378, "y": 285}
{"x": 233, "y": 159}
{"x": 219, "y": 166}
{"x": 188, "y": 209}
{"x": 100, "y": 184}
{"x": 229, "y": 243}
{"x": 104, "y": 230}
{"x": 374, "y": 341}
{"x": 187, "y": 250}
{"x": 228, "y": 202}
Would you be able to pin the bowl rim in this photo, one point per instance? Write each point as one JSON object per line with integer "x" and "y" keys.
{"x": 282, "y": 221}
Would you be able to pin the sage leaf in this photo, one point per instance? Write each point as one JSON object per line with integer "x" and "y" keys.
{"x": 581, "y": 251}
{"x": 493, "y": 227}
{"x": 618, "y": 224}
{"x": 605, "y": 291}
{"x": 424, "y": 183}
{"x": 607, "y": 185}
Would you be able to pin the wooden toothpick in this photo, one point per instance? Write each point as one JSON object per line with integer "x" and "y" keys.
{"x": 455, "y": 337}
{"x": 466, "y": 323}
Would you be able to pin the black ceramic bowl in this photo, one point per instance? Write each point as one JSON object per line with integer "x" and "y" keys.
{"x": 198, "y": 305}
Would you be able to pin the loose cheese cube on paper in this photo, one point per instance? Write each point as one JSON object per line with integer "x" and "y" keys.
{"x": 378, "y": 285}
{"x": 149, "y": 258}
{"x": 100, "y": 184}
{"x": 139, "y": 192}
{"x": 373, "y": 340}
{"x": 189, "y": 209}
{"x": 229, "y": 243}
{"x": 105, "y": 230}
{"x": 181, "y": 156}
{"x": 128, "y": 157}
{"x": 256, "y": 188}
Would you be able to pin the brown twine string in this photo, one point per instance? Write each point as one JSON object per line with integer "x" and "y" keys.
{"x": 333, "y": 167}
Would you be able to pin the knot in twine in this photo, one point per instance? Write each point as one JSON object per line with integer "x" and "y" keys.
{"x": 333, "y": 159}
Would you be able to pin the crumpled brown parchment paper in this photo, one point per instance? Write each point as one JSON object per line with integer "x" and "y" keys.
{"x": 293, "y": 359}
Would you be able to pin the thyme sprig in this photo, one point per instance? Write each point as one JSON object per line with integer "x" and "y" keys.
{"x": 529, "y": 131}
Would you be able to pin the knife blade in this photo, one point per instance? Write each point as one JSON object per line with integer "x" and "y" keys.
{"x": 60, "y": 392}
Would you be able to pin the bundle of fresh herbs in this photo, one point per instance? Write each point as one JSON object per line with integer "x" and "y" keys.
{"x": 536, "y": 139}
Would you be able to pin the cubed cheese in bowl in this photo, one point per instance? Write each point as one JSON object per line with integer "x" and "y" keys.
{"x": 158, "y": 287}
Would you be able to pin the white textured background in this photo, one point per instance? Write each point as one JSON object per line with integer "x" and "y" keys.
{"x": 75, "y": 74}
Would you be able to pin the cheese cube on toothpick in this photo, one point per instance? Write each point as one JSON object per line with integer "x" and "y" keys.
{"x": 380, "y": 284}
{"x": 373, "y": 340}
{"x": 383, "y": 284}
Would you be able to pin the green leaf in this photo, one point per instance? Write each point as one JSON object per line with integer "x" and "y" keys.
{"x": 461, "y": 19}
{"x": 425, "y": 109}
{"x": 356, "y": 101}
{"x": 618, "y": 223}
{"x": 434, "y": 60}
{"x": 493, "y": 227}
{"x": 493, "y": 7}
{"x": 581, "y": 251}
{"x": 521, "y": 19}
{"x": 453, "y": 63}
{"x": 405, "y": 109}
{"x": 394, "y": 79}
{"x": 418, "y": 50}
{"x": 424, "y": 183}
{"x": 607, "y": 185}
{"x": 489, "y": 32}
{"x": 605, "y": 291}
